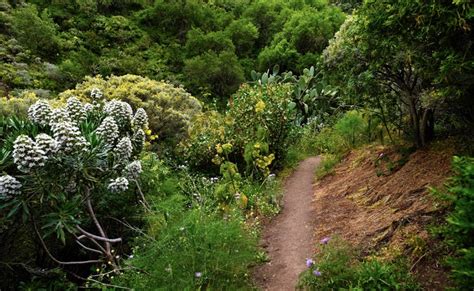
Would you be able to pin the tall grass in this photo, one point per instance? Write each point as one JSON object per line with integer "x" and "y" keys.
{"x": 191, "y": 250}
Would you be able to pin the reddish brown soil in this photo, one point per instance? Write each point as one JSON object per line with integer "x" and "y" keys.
{"x": 387, "y": 215}
{"x": 288, "y": 238}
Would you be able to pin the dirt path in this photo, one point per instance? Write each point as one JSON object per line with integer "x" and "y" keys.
{"x": 288, "y": 239}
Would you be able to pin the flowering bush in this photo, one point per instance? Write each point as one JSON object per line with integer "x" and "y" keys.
{"x": 252, "y": 134}
{"x": 61, "y": 167}
{"x": 170, "y": 108}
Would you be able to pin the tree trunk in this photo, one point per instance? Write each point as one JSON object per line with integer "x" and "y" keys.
{"x": 415, "y": 121}
{"x": 427, "y": 126}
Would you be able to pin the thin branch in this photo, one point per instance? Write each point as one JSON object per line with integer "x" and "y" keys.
{"x": 145, "y": 203}
{"x": 88, "y": 248}
{"x": 88, "y": 234}
{"x": 96, "y": 222}
{"x": 128, "y": 225}
{"x": 93, "y": 241}
{"x": 56, "y": 260}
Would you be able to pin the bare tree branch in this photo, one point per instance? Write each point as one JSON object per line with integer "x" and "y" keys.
{"x": 56, "y": 260}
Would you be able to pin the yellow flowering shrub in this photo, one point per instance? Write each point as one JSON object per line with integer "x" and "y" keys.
{"x": 252, "y": 134}
{"x": 170, "y": 108}
{"x": 17, "y": 106}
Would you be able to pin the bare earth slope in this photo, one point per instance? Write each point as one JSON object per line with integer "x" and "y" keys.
{"x": 288, "y": 239}
{"x": 389, "y": 213}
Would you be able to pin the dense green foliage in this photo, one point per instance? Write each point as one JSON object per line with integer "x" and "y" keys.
{"x": 209, "y": 46}
{"x": 411, "y": 62}
{"x": 252, "y": 142}
{"x": 459, "y": 231}
{"x": 275, "y": 81}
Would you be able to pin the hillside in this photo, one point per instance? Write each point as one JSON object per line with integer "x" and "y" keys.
{"x": 173, "y": 145}
{"x": 386, "y": 214}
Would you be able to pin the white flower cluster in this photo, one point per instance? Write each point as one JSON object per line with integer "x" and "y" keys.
{"x": 68, "y": 137}
{"x": 124, "y": 149}
{"x": 96, "y": 94}
{"x": 140, "y": 120}
{"x": 46, "y": 143}
{"x": 121, "y": 111}
{"x": 108, "y": 130}
{"x": 88, "y": 107}
{"x": 75, "y": 109}
{"x": 118, "y": 185}
{"x": 40, "y": 112}
{"x": 139, "y": 138}
{"x": 27, "y": 154}
{"x": 9, "y": 186}
{"x": 133, "y": 170}
{"x": 59, "y": 115}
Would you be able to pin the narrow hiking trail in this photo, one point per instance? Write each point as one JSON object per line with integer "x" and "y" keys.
{"x": 288, "y": 239}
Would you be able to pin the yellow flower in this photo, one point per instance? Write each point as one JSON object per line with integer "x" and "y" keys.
{"x": 148, "y": 132}
{"x": 260, "y": 106}
{"x": 219, "y": 148}
{"x": 227, "y": 147}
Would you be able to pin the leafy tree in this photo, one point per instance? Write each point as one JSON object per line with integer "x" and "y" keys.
{"x": 36, "y": 30}
{"x": 304, "y": 36}
{"x": 243, "y": 34}
{"x": 218, "y": 74}
{"x": 408, "y": 52}
{"x": 199, "y": 43}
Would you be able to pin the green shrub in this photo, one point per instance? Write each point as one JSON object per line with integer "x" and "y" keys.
{"x": 216, "y": 73}
{"x": 36, "y": 30}
{"x": 459, "y": 231}
{"x": 328, "y": 162}
{"x": 253, "y": 142}
{"x": 192, "y": 250}
{"x": 17, "y": 106}
{"x": 169, "y": 108}
{"x": 352, "y": 128}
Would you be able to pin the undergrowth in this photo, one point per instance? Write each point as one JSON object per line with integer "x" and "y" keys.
{"x": 193, "y": 240}
{"x": 337, "y": 266}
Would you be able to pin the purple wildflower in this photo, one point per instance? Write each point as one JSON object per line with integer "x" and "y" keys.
{"x": 309, "y": 263}
{"x": 316, "y": 273}
{"x": 198, "y": 274}
{"x": 325, "y": 240}
{"x": 381, "y": 155}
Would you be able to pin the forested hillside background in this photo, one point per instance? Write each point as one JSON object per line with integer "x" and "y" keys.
{"x": 140, "y": 140}
{"x": 208, "y": 46}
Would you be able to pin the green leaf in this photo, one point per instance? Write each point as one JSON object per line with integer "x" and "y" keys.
{"x": 264, "y": 79}
{"x": 291, "y": 105}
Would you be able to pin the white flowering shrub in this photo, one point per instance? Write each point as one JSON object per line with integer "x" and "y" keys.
{"x": 108, "y": 130}
{"x": 67, "y": 168}
{"x": 40, "y": 112}
{"x": 75, "y": 109}
{"x": 27, "y": 155}
{"x": 118, "y": 185}
{"x": 133, "y": 170}
{"x": 124, "y": 149}
{"x": 9, "y": 187}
